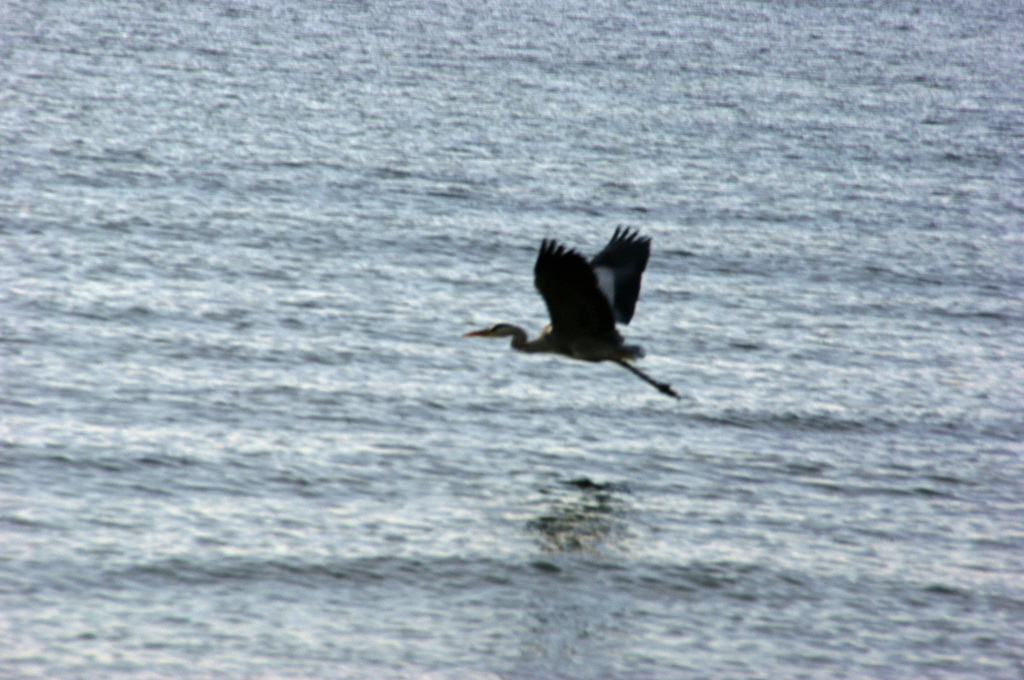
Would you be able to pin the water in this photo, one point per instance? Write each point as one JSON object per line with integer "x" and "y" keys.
{"x": 241, "y": 433}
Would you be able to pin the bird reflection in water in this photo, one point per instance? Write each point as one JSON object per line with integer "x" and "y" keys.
{"x": 581, "y": 523}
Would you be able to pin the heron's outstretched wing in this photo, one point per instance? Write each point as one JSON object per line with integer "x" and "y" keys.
{"x": 579, "y": 312}
{"x": 618, "y": 269}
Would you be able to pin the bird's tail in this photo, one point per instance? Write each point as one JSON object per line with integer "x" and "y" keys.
{"x": 634, "y": 351}
{"x": 664, "y": 388}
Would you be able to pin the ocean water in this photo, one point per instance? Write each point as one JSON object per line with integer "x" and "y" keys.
{"x": 242, "y": 436}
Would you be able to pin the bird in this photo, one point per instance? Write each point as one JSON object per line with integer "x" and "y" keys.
{"x": 585, "y": 300}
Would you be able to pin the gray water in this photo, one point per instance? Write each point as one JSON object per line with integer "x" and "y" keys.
{"x": 242, "y": 436}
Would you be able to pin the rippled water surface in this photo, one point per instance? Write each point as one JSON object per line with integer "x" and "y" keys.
{"x": 241, "y": 435}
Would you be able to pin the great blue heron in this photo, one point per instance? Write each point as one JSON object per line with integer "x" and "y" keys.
{"x": 585, "y": 300}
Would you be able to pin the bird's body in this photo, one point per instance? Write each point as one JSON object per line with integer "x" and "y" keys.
{"x": 585, "y": 300}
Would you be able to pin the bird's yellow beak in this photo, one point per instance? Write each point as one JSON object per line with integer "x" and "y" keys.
{"x": 483, "y": 332}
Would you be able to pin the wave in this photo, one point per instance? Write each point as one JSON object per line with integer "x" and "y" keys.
{"x": 588, "y": 575}
{"x": 957, "y": 426}
{"x": 790, "y": 420}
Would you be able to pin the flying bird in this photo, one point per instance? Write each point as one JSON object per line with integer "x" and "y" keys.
{"x": 585, "y": 300}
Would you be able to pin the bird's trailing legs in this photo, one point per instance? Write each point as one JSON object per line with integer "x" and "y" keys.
{"x": 664, "y": 388}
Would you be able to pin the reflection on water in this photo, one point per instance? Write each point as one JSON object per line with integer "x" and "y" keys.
{"x": 582, "y": 517}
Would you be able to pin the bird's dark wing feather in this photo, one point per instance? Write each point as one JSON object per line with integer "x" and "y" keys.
{"x": 624, "y": 258}
{"x": 578, "y": 309}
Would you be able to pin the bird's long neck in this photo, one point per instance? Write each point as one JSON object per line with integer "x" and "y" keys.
{"x": 519, "y": 339}
{"x": 545, "y": 342}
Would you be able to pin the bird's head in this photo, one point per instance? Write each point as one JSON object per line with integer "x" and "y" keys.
{"x": 498, "y": 330}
